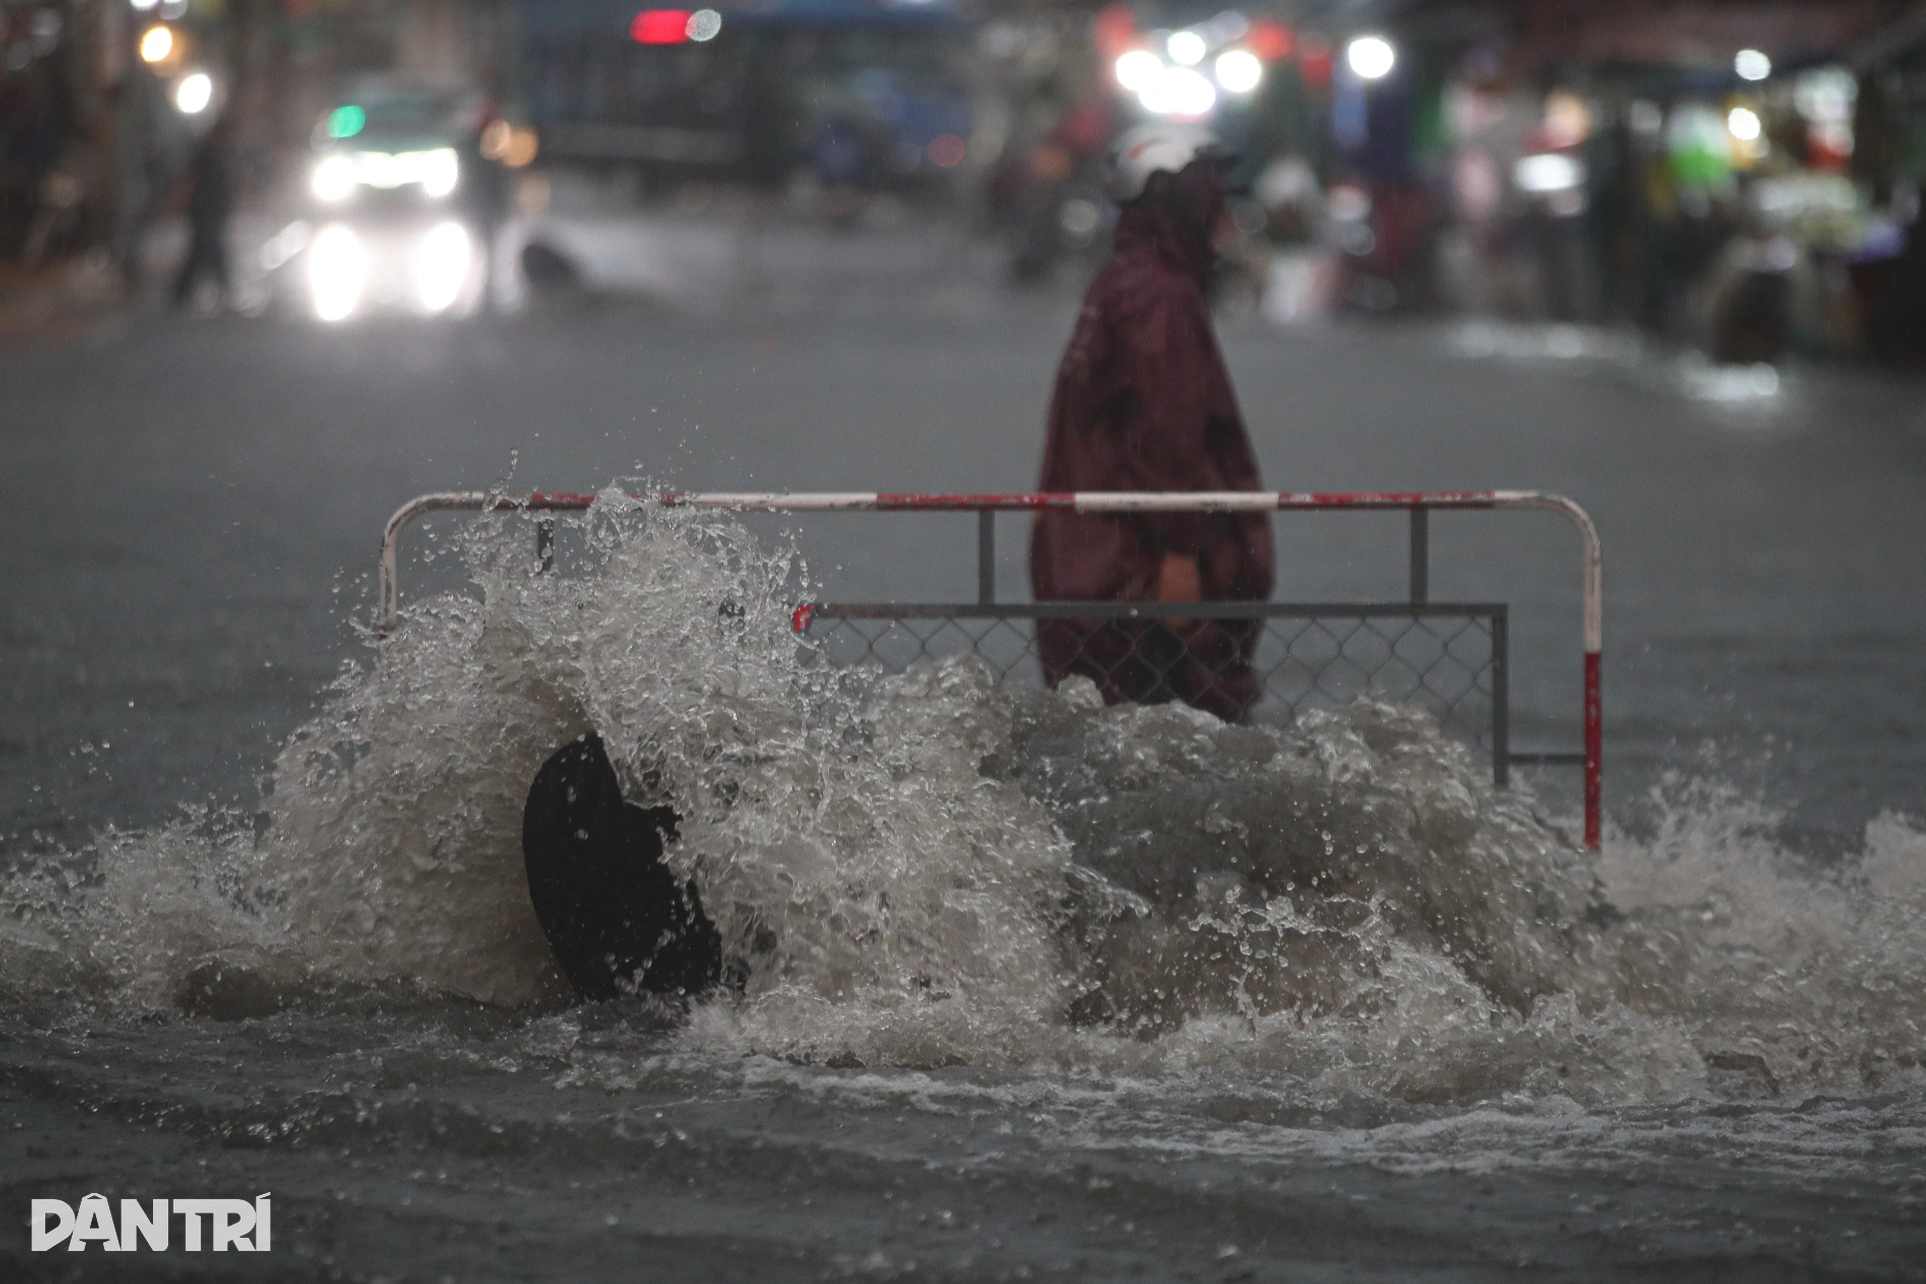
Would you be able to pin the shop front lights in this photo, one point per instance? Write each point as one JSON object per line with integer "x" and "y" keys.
{"x": 1548, "y": 172}
{"x": 1370, "y": 57}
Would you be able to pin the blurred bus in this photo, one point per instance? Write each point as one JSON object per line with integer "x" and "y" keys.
{"x": 866, "y": 94}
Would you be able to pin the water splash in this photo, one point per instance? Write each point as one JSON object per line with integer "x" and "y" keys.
{"x": 932, "y": 869}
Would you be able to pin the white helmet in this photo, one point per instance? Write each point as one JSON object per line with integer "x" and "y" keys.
{"x": 1164, "y": 147}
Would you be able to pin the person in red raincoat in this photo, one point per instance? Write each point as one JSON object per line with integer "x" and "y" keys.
{"x": 1143, "y": 402}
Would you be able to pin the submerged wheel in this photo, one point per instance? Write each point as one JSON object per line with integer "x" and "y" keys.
{"x": 615, "y": 914}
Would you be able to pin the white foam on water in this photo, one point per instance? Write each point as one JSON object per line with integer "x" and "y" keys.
{"x": 935, "y": 870}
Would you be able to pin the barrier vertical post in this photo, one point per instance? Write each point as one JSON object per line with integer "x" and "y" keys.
{"x": 986, "y": 556}
{"x": 1594, "y": 751}
{"x": 1420, "y": 555}
{"x": 545, "y": 544}
{"x": 1501, "y": 699}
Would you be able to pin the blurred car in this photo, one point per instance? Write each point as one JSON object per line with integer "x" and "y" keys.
{"x": 399, "y": 207}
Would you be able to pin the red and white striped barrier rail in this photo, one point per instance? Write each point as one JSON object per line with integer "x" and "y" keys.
{"x": 1082, "y": 502}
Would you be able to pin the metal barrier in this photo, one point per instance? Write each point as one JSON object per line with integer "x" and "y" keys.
{"x": 1451, "y": 657}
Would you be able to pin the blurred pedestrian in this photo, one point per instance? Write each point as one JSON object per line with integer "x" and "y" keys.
{"x": 210, "y": 207}
{"x": 1143, "y": 403}
{"x": 484, "y": 191}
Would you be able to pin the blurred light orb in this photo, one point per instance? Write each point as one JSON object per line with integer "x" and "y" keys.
{"x": 156, "y": 43}
{"x": 704, "y": 24}
{"x": 1547, "y": 172}
{"x": 442, "y": 260}
{"x": 1743, "y": 124}
{"x": 1239, "y": 71}
{"x": 1751, "y": 64}
{"x": 495, "y": 138}
{"x": 1186, "y": 48}
{"x": 1568, "y": 121}
{"x": 1370, "y": 57}
{"x": 1179, "y": 91}
{"x": 143, "y": 5}
{"x": 194, "y": 93}
{"x": 285, "y": 244}
{"x": 346, "y": 121}
{"x": 333, "y": 179}
{"x": 337, "y": 271}
{"x": 523, "y": 144}
{"x": 1080, "y": 218}
{"x": 946, "y": 151}
{"x": 1136, "y": 69}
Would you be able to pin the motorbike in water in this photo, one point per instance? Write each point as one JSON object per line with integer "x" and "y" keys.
{"x": 616, "y": 916}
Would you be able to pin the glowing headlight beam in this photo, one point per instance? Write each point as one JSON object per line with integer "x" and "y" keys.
{"x": 337, "y": 272}
{"x": 333, "y": 179}
{"x": 440, "y": 171}
{"x": 1179, "y": 91}
{"x": 441, "y": 263}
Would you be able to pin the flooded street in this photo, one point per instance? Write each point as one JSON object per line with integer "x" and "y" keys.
{"x": 262, "y": 924}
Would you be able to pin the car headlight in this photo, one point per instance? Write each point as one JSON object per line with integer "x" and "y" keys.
{"x": 337, "y": 272}
{"x": 441, "y": 263}
{"x": 333, "y": 179}
{"x": 440, "y": 171}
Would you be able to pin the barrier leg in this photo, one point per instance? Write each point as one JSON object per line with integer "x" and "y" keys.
{"x": 1594, "y": 751}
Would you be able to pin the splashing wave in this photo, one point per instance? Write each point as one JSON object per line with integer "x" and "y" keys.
{"x": 932, "y": 869}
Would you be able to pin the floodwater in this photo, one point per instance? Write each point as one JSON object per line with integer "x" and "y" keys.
{"x": 1035, "y": 988}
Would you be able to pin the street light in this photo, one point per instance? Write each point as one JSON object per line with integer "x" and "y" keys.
{"x": 1370, "y": 57}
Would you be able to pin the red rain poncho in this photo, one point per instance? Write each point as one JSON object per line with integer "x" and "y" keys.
{"x": 1143, "y": 402}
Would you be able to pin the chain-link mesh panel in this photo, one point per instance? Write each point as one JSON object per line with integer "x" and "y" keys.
{"x": 1447, "y": 659}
